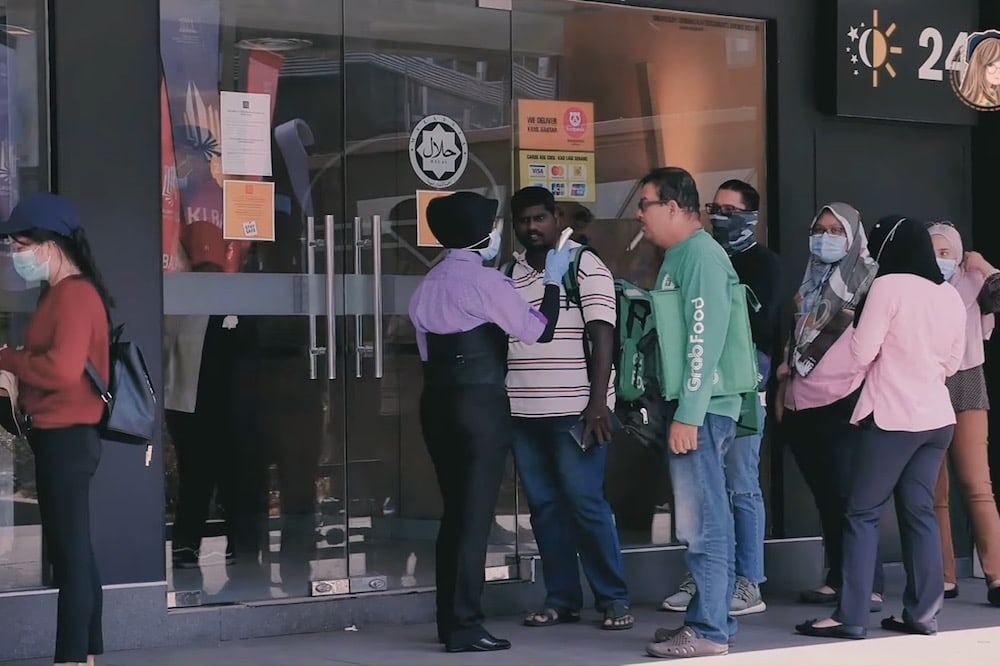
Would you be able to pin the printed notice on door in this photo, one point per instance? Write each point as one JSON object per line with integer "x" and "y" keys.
{"x": 248, "y": 210}
{"x": 246, "y": 133}
{"x": 569, "y": 176}
{"x": 553, "y": 125}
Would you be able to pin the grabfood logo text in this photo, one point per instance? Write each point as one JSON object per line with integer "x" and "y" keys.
{"x": 696, "y": 353}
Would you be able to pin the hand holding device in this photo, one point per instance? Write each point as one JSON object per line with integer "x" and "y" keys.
{"x": 557, "y": 261}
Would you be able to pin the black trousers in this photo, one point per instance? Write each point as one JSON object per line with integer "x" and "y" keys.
{"x": 824, "y": 444}
{"x": 65, "y": 462}
{"x": 206, "y": 457}
{"x": 468, "y": 431}
{"x": 903, "y": 465}
{"x": 205, "y": 441}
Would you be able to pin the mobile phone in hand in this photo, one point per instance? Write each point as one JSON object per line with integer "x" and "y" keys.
{"x": 577, "y": 432}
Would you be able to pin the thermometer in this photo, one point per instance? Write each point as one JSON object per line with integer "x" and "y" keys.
{"x": 563, "y": 237}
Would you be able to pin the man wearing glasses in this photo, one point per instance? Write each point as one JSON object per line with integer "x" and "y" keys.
{"x": 703, "y": 427}
{"x": 734, "y": 216}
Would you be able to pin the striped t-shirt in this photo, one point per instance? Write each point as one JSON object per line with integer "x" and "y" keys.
{"x": 550, "y": 379}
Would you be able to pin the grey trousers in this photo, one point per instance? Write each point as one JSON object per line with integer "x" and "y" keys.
{"x": 903, "y": 465}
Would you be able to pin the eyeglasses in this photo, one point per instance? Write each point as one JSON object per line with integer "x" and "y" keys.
{"x": 725, "y": 209}
{"x": 644, "y": 204}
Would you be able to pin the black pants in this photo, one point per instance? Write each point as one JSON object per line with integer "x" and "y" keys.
{"x": 903, "y": 465}
{"x": 824, "y": 443}
{"x": 205, "y": 449}
{"x": 205, "y": 441}
{"x": 468, "y": 432}
{"x": 65, "y": 462}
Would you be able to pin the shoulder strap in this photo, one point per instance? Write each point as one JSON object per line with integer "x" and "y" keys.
{"x": 508, "y": 268}
{"x": 571, "y": 280}
{"x": 99, "y": 385}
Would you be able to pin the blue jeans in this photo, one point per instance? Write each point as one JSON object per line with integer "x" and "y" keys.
{"x": 743, "y": 484}
{"x": 705, "y": 524}
{"x": 569, "y": 513}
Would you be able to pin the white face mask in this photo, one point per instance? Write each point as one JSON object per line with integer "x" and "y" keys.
{"x": 490, "y": 252}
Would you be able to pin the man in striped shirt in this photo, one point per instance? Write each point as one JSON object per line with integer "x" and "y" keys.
{"x": 561, "y": 399}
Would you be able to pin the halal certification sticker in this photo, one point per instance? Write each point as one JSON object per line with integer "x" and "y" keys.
{"x": 439, "y": 152}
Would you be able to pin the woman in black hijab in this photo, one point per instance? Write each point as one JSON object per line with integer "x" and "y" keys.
{"x": 910, "y": 338}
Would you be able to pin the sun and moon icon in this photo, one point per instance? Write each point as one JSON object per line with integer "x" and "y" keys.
{"x": 871, "y": 45}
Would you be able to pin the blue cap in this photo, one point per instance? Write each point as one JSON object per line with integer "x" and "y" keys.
{"x": 45, "y": 212}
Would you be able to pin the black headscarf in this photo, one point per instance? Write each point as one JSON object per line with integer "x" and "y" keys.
{"x": 902, "y": 245}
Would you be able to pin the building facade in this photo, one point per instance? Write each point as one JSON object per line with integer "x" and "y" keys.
{"x": 246, "y": 168}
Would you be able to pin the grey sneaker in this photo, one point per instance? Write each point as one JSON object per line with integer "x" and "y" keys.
{"x": 678, "y": 602}
{"x": 685, "y": 643}
{"x": 663, "y": 634}
{"x": 746, "y": 598}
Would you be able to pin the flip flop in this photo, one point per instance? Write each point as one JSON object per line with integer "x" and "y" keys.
{"x": 618, "y": 618}
{"x": 551, "y": 617}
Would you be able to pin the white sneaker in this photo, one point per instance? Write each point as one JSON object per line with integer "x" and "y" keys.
{"x": 746, "y": 598}
{"x": 678, "y": 602}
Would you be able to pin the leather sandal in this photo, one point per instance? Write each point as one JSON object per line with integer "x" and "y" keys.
{"x": 548, "y": 617}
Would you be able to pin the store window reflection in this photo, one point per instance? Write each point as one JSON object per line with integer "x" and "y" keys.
{"x": 666, "y": 88}
{"x": 24, "y": 170}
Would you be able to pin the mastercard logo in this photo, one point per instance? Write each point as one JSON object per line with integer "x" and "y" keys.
{"x": 557, "y": 171}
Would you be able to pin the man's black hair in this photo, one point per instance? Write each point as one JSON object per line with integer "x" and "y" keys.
{"x": 531, "y": 196}
{"x": 674, "y": 184}
{"x": 750, "y": 196}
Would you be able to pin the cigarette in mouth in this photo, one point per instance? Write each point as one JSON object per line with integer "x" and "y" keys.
{"x": 635, "y": 241}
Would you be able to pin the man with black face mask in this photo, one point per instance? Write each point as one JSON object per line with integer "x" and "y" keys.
{"x": 734, "y": 216}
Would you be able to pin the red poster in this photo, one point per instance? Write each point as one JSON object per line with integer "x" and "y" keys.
{"x": 169, "y": 195}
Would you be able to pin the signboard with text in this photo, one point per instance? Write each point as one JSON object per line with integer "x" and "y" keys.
{"x": 569, "y": 176}
{"x": 545, "y": 124}
{"x": 248, "y": 210}
{"x": 903, "y": 59}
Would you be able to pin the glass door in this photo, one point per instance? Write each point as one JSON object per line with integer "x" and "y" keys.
{"x": 427, "y": 112}
{"x": 301, "y": 138}
{"x": 254, "y": 399}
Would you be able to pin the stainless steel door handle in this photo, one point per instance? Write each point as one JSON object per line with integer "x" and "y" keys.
{"x": 361, "y": 348}
{"x": 331, "y": 299}
{"x": 311, "y": 246}
{"x": 377, "y": 291}
{"x": 359, "y": 332}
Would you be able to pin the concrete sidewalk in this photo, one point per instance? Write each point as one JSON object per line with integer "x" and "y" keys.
{"x": 969, "y": 635}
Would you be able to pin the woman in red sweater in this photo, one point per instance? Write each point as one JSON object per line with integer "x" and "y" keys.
{"x": 60, "y": 405}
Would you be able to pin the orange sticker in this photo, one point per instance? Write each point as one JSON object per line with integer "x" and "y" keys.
{"x": 555, "y": 125}
{"x": 425, "y": 237}
{"x": 248, "y": 210}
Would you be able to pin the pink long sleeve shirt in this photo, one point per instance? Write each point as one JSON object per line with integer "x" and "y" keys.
{"x": 910, "y": 337}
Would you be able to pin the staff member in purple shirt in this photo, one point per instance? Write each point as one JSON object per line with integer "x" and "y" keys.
{"x": 463, "y": 313}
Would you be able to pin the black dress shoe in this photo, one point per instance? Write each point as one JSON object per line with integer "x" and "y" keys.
{"x": 809, "y": 628}
{"x": 484, "y": 644}
{"x": 952, "y": 593}
{"x": 993, "y": 596}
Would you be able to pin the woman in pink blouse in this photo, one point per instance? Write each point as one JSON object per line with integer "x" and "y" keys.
{"x": 978, "y": 283}
{"x": 910, "y": 337}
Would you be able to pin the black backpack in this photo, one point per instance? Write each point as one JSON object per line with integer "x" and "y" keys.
{"x": 130, "y": 414}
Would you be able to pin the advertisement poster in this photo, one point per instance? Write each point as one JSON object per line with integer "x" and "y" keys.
{"x": 248, "y": 210}
{"x": 569, "y": 176}
{"x": 545, "y": 124}
{"x": 425, "y": 238}
{"x": 169, "y": 194}
{"x": 246, "y": 134}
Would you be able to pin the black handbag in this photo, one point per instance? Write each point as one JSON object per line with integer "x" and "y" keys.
{"x": 130, "y": 412}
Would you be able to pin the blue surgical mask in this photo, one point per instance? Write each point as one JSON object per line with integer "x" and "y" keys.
{"x": 828, "y": 248}
{"x": 735, "y": 232}
{"x": 948, "y": 267}
{"x": 490, "y": 252}
{"x": 26, "y": 265}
